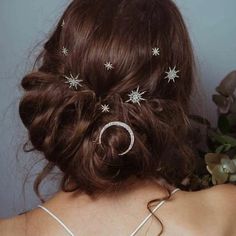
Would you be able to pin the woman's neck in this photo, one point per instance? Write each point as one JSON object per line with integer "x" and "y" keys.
{"x": 138, "y": 189}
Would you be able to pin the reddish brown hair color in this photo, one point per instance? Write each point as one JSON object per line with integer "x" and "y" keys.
{"x": 64, "y": 124}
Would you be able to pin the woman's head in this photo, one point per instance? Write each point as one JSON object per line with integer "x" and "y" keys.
{"x": 64, "y": 123}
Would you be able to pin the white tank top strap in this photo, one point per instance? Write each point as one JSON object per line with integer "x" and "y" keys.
{"x": 150, "y": 215}
{"x": 57, "y": 219}
{"x": 134, "y": 232}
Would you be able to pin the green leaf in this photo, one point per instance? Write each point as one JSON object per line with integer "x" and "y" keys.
{"x": 223, "y": 139}
{"x": 229, "y": 140}
{"x": 223, "y": 148}
{"x": 232, "y": 120}
{"x": 216, "y": 137}
{"x": 227, "y": 147}
{"x": 220, "y": 148}
{"x": 223, "y": 124}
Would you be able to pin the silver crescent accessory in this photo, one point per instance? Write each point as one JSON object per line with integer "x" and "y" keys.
{"x": 121, "y": 124}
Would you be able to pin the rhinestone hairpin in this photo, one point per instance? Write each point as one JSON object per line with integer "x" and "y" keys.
{"x": 156, "y": 51}
{"x": 108, "y": 66}
{"x": 105, "y": 108}
{"x": 136, "y": 96}
{"x": 172, "y": 74}
{"x": 73, "y": 81}
{"x": 65, "y": 51}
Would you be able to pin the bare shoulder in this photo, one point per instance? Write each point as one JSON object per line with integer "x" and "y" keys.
{"x": 19, "y": 225}
{"x": 219, "y": 196}
{"x": 33, "y": 222}
{"x": 222, "y": 207}
{"x": 210, "y": 211}
{"x": 13, "y": 226}
{"x": 223, "y": 196}
{"x": 224, "y": 189}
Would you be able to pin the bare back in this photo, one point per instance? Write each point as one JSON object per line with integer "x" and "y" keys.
{"x": 206, "y": 212}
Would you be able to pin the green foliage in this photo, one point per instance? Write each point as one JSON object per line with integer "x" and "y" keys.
{"x": 220, "y": 156}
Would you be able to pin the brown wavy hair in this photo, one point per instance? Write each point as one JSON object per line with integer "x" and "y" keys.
{"x": 64, "y": 123}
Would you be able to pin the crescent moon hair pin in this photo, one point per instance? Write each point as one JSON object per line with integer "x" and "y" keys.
{"x": 120, "y": 124}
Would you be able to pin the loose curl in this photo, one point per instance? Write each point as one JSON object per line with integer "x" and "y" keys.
{"x": 64, "y": 124}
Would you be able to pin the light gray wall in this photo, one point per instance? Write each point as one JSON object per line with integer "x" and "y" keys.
{"x": 23, "y": 24}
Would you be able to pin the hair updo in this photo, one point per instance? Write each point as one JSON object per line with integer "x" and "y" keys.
{"x": 64, "y": 123}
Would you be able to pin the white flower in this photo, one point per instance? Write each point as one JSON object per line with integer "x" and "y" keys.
{"x": 136, "y": 96}
{"x": 65, "y": 51}
{"x": 73, "y": 81}
{"x": 156, "y": 51}
{"x": 172, "y": 74}
{"x": 105, "y": 108}
{"x": 108, "y": 66}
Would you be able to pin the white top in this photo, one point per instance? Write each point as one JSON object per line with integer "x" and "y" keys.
{"x": 132, "y": 234}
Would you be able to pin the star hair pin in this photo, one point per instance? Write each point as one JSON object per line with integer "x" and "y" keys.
{"x": 65, "y": 51}
{"x": 172, "y": 74}
{"x": 136, "y": 96}
{"x": 108, "y": 65}
{"x": 105, "y": 108}
{"x": 156, "y": 51}
{"x": 73, "y": 81}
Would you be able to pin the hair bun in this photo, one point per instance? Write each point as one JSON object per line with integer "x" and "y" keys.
{"x": 64, "y": 123}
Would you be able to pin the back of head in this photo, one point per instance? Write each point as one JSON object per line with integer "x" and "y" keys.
{"x": 64, "y": 123}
